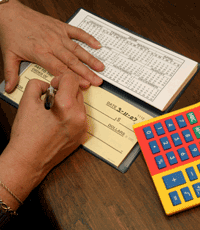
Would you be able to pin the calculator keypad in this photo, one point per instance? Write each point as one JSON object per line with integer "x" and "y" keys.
{"x": 171, "y": 147}
{"x": 173, "y": 139}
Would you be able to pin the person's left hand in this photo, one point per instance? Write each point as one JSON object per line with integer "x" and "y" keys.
{"x": 41, "y": 139}
{"x": 29, "y": 35}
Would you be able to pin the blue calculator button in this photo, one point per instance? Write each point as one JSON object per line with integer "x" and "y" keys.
{"x": 181, "y": 121}
{"x": 174, "y": 179}
{"x": 176, "y": 139}
{"x": 170, "y": 125}
{"x": 154, "y": 147}
{"x": 148, "y": 132}
{"x": 183, "y": 154}
{"x": 186, "y": 194}
{"x": 196, "y": 188}
{"x": 171, "y": 158}
{"x": 187, "y": 135}
{"x": 165, "y": 143}
{"x": 198, "y": 166}
{"x": 191, "y": 173}
{"x": 160, "y": 162}
{"x": 194, "y": 150}
{"x": 174, "y": 198}
{"x": 159, "y": 129}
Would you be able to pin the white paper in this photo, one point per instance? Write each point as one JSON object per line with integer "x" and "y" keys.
{"x": 147, "y": 71}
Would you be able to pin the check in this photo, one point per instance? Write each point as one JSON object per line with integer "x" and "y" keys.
{"x": 110, "y": 119}
{"x": 110, "y": 134}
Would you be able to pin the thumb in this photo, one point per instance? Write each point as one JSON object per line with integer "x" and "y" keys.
{"x": 11, "y": 69}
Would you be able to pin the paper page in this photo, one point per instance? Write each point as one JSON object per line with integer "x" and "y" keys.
{"x": 110, "y": 133}
{"x": 32, "y": 72}
{"x": 110, "y": 119}
{"x": 143, "y": 69}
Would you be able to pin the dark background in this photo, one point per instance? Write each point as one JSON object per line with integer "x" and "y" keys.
{"x": 83, "y": 192}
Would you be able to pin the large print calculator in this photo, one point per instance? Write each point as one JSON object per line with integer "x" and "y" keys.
{"x": 171, "y": 147}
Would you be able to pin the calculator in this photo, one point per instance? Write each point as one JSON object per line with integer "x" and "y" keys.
{"x": 171, "y": 148}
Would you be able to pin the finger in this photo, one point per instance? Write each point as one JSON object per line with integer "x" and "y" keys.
{"x": 80, "y": 97}
{"x": 82, "y": 54}
{"x": 56, "y": 67}
{"x": 11, "y": 70}
{"x": 83, "y": 83}
{"x": 67, "y": 86}
{"x": 67, "y": 90}
{"x": 52, "y": 64}
{"x": 73, "y": 62}
{"x": 81, "y": 35}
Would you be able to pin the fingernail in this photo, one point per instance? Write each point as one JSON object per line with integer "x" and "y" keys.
{"x": 98, "y": 80}
{"x": 97, "y": 43}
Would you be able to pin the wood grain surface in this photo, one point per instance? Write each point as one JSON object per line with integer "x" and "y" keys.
{"x": 84, "y": 193}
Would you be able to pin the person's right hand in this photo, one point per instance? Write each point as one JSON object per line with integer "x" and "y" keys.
{"x": 45, "y": 132}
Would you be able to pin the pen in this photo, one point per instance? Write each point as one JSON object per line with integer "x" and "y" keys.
{"x": 49, "y": 98}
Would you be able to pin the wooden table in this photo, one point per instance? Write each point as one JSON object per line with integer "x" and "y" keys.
{"x": 83, "y": 192}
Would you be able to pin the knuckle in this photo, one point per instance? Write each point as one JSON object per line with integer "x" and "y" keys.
{"x": 82, "y": 118}
{"x": 33, "y": 82}
{"x": 38, "y": 49}
{"x": 75, "y": 47}
{"x": 77, "y": 121}
{"x": 58, "y": 70}
{"x": 80, "y": 33}
{"x": 81, "y": 122}
{"x": 65, "y": 106}
{"x": 72, "y": 61}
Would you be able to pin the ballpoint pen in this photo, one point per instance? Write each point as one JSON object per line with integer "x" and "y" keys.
{"x": 49, "y": 98}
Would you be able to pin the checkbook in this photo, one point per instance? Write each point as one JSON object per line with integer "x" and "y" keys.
{"x": 110, "y": 136}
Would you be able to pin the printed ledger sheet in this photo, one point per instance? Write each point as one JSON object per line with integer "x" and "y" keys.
{"x": 147, "y": 71}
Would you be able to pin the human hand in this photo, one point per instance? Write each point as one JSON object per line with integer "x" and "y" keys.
{"x": 29, "y": 35}
{"x": 40, "y": 139}
{"x": 45, "y": 133}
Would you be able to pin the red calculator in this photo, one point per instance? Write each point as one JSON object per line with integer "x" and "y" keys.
{"x": 171, "y": 147}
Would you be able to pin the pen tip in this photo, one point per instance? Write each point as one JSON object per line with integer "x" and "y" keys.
{"x": 47, "y": 106}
